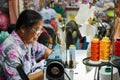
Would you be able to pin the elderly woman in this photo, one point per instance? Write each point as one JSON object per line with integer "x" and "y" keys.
{"x": 21, "y": 47}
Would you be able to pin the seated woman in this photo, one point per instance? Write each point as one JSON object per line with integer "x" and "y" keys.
{"x": 21, "y": 47}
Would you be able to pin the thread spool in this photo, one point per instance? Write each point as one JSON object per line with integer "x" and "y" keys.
{"x": 105, "y": 44}
{"x": 105, "y": 73}
{"x": 117, "y": 47}
{"x": 94, "y": 49}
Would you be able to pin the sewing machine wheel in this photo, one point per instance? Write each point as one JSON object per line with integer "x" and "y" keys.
{"x": 55, "y": 70}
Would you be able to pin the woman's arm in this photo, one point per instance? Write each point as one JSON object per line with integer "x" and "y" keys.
{"x": 37, "y": 76}
{"x": 47, "y": 53}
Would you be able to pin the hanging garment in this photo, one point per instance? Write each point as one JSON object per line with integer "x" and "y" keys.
{"x": 116, "y": 32}
{"x": 4, "y": 21}
{"x": 13, "y": 10}
{"x": 82, "y": 18}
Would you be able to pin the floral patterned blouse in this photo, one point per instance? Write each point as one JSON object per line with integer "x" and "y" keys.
{"x": 13, "y": 52}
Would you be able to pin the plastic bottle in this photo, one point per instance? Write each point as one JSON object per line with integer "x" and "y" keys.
{"x": 72, "y": 60}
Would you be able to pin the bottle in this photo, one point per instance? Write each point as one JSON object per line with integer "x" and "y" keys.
{"x": 72, "y": 60}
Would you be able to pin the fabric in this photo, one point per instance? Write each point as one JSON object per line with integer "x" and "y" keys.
{"x": 59, "y": 16}
{"x": 107, "y": 6}
{"x": 52, "y": 13}
{"x": 59, "y": 10}
{"x": 54, "y": 24}
{"x": 116, "y": 28}
{"x": 37, "y": 4}
{"x": 4, "y": 21}
{"x": 62, "y": 35}
{"x": 21, "y": 6}
{"x": 110, "y": 13}
{"x": 14, "y": 52}
{"x": 48, "y": 14}
{"x": 13, "y": 10}
{"x": 3, "y": 36}
{"x": 82, "y": 18}
{"x": 45, "y": 14}
{"x": 89, "y": 31}
{"x": 45, "y": 38}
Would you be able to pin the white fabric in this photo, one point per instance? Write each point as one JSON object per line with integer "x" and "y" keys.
{"x": 89, "y": 31}
{"x": 84, "y": 13}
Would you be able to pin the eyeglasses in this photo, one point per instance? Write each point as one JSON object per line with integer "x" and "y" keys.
{"x": 37, "y": 31}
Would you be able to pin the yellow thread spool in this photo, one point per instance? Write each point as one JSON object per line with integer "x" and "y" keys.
{"x": 105, "y": 44}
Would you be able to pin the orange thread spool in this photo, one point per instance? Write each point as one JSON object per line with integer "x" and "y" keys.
{"x": 105, "y": 44}
{"x": 94, "y": 49}
{"x": 117, "y": 47}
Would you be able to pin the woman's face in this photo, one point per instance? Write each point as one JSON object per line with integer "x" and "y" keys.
{"x": 31, "y": 35}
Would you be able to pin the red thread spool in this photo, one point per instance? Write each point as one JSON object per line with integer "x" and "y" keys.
{"x": 94, "y": 50}
{"x": 117, "y": 47}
